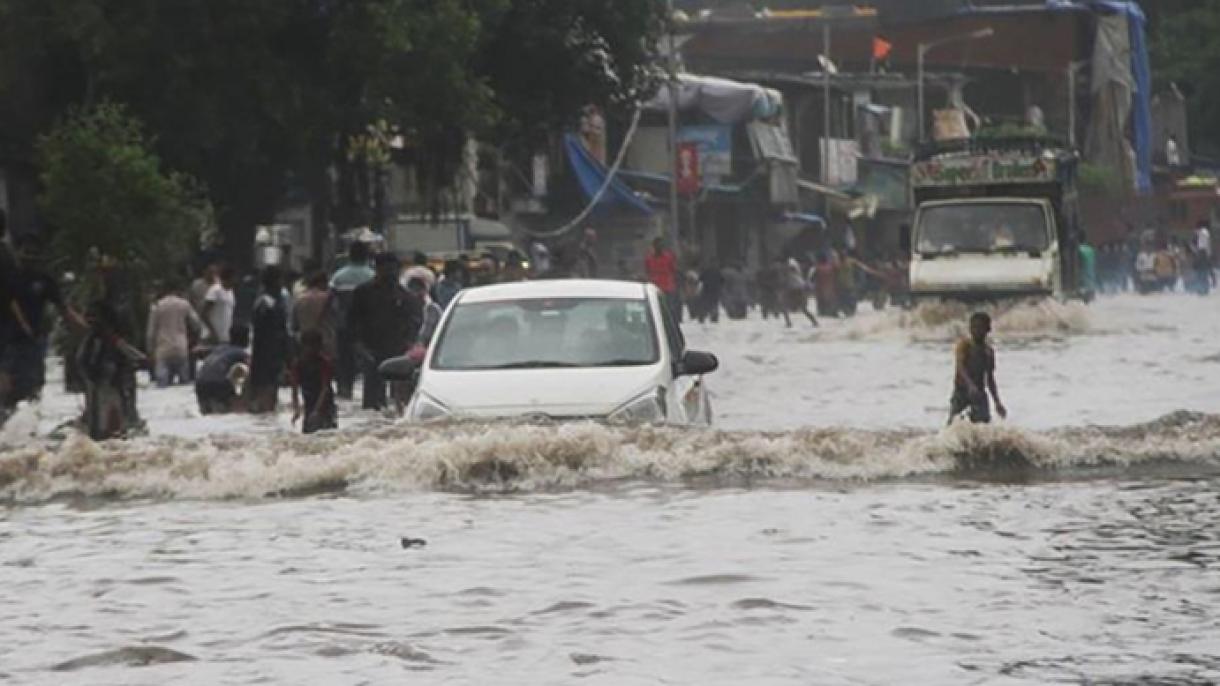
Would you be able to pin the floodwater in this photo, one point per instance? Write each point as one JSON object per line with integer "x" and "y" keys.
{"x": 830, "y": 530}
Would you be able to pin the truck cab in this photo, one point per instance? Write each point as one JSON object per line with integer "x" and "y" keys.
{"x": 994, "y": 219}
{"x": 986, "y": 248}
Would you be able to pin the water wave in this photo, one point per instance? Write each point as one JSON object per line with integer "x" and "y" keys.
{"x": 946, "y": 320}
{"x": 525, "y": 457}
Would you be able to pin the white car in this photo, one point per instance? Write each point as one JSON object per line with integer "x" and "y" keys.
{"x": 562, "y": 349}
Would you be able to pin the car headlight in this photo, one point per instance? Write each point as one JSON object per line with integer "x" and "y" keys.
{"x": 425, "y": 408}
{"x": 648, "y": 408}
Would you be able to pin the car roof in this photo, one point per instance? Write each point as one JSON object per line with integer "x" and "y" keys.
{"x": 556, "y": 288}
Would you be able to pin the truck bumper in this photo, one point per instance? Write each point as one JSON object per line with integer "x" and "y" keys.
{"x": 968, "y": 294}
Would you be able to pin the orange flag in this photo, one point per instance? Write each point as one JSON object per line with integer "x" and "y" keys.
{"x": 881, "y": 48}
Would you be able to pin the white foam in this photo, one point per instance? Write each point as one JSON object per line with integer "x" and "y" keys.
{"x": 531, "y": 457}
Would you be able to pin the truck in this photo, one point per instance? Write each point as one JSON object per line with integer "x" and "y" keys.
{"x": 995, "y": 219}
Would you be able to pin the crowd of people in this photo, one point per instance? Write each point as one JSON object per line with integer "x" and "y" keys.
{"x": 837, "y": 280}
{"x": 1147, "y": 263}
{"x": 239, "y": 339}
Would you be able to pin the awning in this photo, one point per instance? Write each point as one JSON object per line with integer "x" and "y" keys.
{"x": 591, "y": 175}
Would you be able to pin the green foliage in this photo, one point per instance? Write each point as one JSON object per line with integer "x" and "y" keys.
{"x": 258, "y": 97}
{"x": 104, "y": 192}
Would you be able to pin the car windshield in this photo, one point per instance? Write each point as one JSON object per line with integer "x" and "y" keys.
{"x": 547, "y": 333}
{"x": 985, "y": 227}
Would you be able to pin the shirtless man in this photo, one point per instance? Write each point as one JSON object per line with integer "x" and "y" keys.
{"x": 974, "y": 374}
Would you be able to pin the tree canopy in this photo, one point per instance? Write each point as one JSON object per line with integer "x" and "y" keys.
{"x": 258, "y": 98}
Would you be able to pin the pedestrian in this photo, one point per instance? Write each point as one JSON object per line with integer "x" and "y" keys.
{"x": 431, "y": 320}
{"x": 661, "y": 267}
{"x": 312, "y": 381}
{"x": 202, "y": 285}
{"x": 222, "y": 372}
{"x": 386, "y": 320}
{"x": 172, "y": 323}
{"x": 32, "y": 289}
{"x": 450, "y": 284}
{"x": 1145, "y": 271}
{"x": 826, "y": 284}
{"x": 1203, "y": 245}
{"x": 974, "y": 374}
{"x": 432, "y": 311}
{"x": 711, "y": 290}
{"x": 767, "y": 281}
{"x": 108, "y": 366}
{"x": 419, "y": 269}
{"x": 540, "y": 258}
{"x": 1165, "y": 268}
{"x": 514, "y": 268}
{"x": 219, "y": 305}
{"x": 796, "y": 292}
{"x": 1201, "y": 270}
{"x": 736, "y": 291}
{"x": 344, "y": 283}
{"x": 847, "y": 276}
{"x": 314, "y": 310}
{"x": 586, "y": 256}
{"x": 301, "y": 283}
{"x": 272, "y": 346}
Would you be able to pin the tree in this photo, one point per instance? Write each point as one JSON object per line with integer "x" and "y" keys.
{"x": 104, "y": 191}
{"x": 257, "y": 99}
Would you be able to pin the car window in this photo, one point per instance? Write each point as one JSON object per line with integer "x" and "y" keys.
{"x": 548, "y": 332}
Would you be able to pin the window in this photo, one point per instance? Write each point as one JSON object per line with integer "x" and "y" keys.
{"x": 547, "y": 333}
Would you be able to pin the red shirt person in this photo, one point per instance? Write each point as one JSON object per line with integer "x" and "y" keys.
{"x": 662, "y": 268}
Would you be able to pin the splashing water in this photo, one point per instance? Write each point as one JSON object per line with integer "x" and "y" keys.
{"x": 946, "y": 320}
{"x": 524, "y": 457}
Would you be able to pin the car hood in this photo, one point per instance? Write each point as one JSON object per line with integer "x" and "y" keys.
{"x": 983, "y": 271}
{"x": 593, "y": 392}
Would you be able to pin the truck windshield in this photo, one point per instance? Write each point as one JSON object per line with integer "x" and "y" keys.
{"x": 548, "y": 333}
{"x": 982, "y": 227}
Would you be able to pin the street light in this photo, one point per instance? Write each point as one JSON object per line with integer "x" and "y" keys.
{"x": 925, "y": 48}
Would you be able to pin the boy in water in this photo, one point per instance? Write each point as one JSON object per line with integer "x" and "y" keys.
{"x": 974, "y": 374}
{"x": 312, "y": 377}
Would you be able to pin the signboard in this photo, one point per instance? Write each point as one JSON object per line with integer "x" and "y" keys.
{"x": 983, "y": 170}
{"x": 842, "y": 156}
{"x": 715, "y": 147}
{"x": 689, "y": 176}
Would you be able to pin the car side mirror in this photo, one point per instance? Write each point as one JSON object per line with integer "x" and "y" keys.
{"x": 397, "y": 368}
{"x": 696, "y": 363}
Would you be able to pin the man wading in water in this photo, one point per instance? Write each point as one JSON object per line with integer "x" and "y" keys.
{"x": 974, "y": 374}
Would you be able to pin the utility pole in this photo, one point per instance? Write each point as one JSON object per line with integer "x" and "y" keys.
{"x": 674, "y": 213}
{"x": 826, "y": 103}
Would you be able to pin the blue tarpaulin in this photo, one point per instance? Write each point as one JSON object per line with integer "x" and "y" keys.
{"x": 591, "y": 174}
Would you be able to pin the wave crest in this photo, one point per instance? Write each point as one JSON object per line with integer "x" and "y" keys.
{"x": 524, "y": 457}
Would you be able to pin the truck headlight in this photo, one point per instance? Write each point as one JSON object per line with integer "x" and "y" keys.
{"x": 648, "y": 408}
{"x": 425, "y": 408}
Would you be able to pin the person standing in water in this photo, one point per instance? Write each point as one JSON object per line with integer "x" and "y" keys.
{"x": 974, "y": 374}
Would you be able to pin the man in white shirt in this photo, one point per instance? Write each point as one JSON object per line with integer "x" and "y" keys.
{"x": 218, "y": 307}
{"x": 1173, "y": 156}
{"x": 171, "y": 321}
{"x": 1203, "y": 239}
